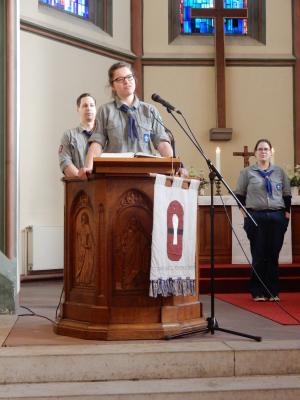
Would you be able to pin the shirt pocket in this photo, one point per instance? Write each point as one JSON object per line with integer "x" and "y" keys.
{"x": 144, "y": 133}
{"x": 257, "y": 185}
{"x": 115, "y": 133}
{"x": 78, "y": 150}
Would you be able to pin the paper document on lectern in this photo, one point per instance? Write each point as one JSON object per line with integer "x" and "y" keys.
{"x": 129, "y": 155}
{"x": 173, "y": 238}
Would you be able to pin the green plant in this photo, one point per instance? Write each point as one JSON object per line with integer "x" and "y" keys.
{"x": 295, "y": 177}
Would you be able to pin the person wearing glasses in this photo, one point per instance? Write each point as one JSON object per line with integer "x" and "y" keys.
{"x": 127, "y": 124}
{"x": 75, "y": 142}
{"x": 264, "y": 189}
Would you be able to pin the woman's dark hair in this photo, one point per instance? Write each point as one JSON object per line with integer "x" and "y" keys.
{"x": 78, "y": 101}
{"x": 262, "y": 140}
{"x": 114, "y": 67}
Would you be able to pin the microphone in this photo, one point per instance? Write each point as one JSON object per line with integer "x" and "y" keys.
{"x": 169, "y": 107}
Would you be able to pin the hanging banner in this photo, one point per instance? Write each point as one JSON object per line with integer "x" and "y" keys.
{"x": 173, "y": 238}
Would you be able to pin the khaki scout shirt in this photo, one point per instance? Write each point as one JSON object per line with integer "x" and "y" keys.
{"x": 112, "y": 128}
{"x": 73, "y": 148}
{"x": 252, "y": 185}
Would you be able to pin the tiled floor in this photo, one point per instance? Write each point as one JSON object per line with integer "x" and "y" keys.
{"x": 43, "y": 297}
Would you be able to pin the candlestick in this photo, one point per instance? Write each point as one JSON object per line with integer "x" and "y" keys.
{"x": 218, "y": 159}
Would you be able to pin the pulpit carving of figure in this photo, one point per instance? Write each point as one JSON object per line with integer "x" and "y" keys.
{"x": 136, "y": 247}
{"x": 85, "y": 250}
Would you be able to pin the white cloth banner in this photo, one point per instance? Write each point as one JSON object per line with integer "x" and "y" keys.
{"x": 173, "y": 238}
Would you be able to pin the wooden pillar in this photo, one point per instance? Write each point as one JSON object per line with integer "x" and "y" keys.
{"x": 219, "y": 13}
{"x": 296, "y": 41}
{"x": 9, "y": 130}
{"x": 137, "y": 43}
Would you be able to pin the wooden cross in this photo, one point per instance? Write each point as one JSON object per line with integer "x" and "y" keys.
{"x": 246, "y": 154}
{"x": 219, "y": 13}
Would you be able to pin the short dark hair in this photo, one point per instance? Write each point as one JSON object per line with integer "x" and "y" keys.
{"x": 114, "y": 67}
{"x": 262, "y": 140}
{"x": 78, "y": 101}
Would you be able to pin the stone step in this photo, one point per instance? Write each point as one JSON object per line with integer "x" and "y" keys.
{"x": 238, "y": 388}
{"x": 177, "y": 359}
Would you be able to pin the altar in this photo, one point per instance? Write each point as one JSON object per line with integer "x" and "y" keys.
{"x": 227, "y": 247}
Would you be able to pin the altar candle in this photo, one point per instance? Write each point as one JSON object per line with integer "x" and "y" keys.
{"x": 273, "y": 156}
{"x": 218, "y": 159}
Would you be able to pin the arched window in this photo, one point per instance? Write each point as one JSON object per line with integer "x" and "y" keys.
{"x": 190, "y": 25}
{"x": 99, "y": 12}
{"x": 80, "y": 8}
{"x": 180, "y": 22}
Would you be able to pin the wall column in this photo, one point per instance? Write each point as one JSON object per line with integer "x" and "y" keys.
{"x": 296, "y": 49}
{"x": 10, "y": 146}
{"x": 137, "y": 42}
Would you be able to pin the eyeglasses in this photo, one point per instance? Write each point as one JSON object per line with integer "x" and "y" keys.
{"x": 129, "y": 78}
{"x": 263, "y": 149}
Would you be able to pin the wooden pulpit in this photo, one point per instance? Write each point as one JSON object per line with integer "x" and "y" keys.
{"x": 108, "y": 226}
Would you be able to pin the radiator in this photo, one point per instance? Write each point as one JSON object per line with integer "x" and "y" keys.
{"x": 43, "y": 248}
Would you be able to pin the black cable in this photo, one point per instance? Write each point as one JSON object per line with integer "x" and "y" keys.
{"x": 59, "y": 303}
{"x": 33, "y": 314}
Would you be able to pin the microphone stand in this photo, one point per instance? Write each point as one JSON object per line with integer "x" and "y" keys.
{"x": 168, "y": 132}
{"x": 212, "y": 323}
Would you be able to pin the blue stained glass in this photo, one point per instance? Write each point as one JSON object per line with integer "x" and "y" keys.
{"x": 79, "y": 8}
{"x": 206, "y": 25}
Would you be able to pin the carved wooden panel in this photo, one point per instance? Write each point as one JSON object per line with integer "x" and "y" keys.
{"x": 222, "y": 237}
{"x": 132, "y": 242}
{"x": 83, "y": 242}
{"x": 296, "y": 233}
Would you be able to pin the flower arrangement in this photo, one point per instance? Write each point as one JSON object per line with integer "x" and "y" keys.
{"x": 294, "y": 176}
{"x": 200, "y": 176}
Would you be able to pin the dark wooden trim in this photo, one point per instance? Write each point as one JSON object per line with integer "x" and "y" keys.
{"x": 261, "y": 36}
{"x": 10, "y": 161}
{"x": 173, "y": 20}
{"x": 137, "y": 43}
{"x": 296, "y": 49}
{"x": 2, "y": 124}
{"x": 260, "y": 62}
{"x": 76, "y": 42}
{"x": 177, "y": 62}
{"x": 194, "y": 62}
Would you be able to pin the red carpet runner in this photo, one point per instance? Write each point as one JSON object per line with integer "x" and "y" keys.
{"x": 289, "y": 301}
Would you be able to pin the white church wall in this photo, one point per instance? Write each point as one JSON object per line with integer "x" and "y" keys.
{"x": 260, "y": 105}
{"x": 32, "y": 12}
{"x": 190, "y": 89}
{"x": 52, "y": 77}
{"x": 256, "y": 108}
{"x": 278, "y": 34}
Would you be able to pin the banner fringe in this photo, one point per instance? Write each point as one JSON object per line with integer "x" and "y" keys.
{"x": 172, "y": 287}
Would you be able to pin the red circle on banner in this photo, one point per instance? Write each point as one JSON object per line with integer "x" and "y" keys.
{"x": 175, "y": 230}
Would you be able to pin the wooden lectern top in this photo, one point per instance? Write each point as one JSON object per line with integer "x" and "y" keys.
{"x": 136, "y": 165}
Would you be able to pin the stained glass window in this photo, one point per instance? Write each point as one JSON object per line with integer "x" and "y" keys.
{"x": 232, "y": 26}
{"x": 80, "y": 8}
